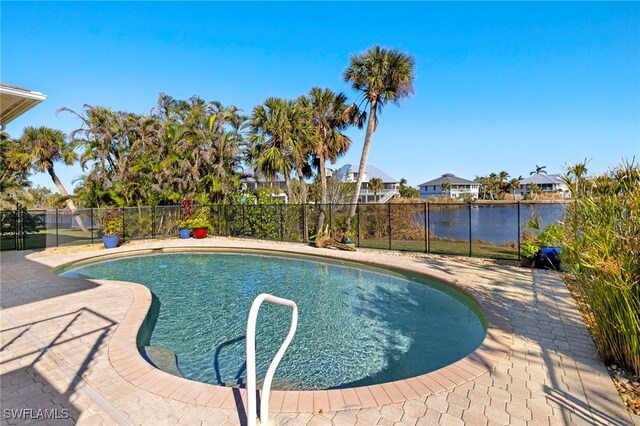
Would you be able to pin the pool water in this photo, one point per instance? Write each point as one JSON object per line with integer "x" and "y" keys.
{"x": 357, "y": 325}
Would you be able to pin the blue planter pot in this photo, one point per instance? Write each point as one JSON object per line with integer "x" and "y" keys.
{"x": 110, "y": 241}
{"x": 548, "y": 258}
{"x": 185, "y": 233}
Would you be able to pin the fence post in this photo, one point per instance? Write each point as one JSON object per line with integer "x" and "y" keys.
{"x": 519, "y": 230}
{"x": 282, "y": 207}
{"x": 428, "y": 227}
{"x": 17, "y": 228}
{"x": 57, "y": 243}
{"x": 91, "y": 213}
{"x": 123, "y": 225}
{"x": 304, "y": 223}
{"x": 262, "y": 222}
{"x": 153, "y": 222}
{"x": 358, "y": 224}
{"x": 469, "y": 228}
{"x": 330, "y": 219}
{"x": 389, "y": 214}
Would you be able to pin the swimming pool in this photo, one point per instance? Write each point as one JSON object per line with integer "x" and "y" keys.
{"x": 358, "y": 325}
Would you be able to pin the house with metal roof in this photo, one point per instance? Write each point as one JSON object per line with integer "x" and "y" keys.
{"x": 15, "y": 101}
{"x": 349, "y": 173}
{"x": 545, "y": 184}
{"x": 449, "y": 185}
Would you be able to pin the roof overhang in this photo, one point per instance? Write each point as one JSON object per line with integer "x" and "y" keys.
{"x": 15, "y": 101}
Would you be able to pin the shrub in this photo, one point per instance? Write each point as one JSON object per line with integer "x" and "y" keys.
{"x": 201, "y": 219}
{"x": 602, "y": 247}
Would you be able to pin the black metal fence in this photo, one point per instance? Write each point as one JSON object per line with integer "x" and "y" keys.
{"x": 491, "y": 230}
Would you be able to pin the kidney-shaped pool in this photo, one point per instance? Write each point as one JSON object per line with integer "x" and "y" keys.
{"x": 358, "y": 325}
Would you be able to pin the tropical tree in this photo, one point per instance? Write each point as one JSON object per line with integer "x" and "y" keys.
{"x": 13, "y": 178}
{"x": 381, "y": 76}
{"x": 41, "y": 147}
{"x": 446, "y": 186}
{"x": 281, "y": 137}
{"x": 376, "y": 185}
{"x": 514, "y": 184}
{"x": 578, "y": 171}
{"x": 538, "y": 170}
{"x": 406, "y": 191}
{"x": 330, "y": 115}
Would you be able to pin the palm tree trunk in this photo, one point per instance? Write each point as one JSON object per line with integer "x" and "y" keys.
{"x": 69, "y": 202}
{"x": 363, "y": 161}
{"x": 303, "y": 202}
{"x": 323, "y": 192}
{"x": 287, "y": 182}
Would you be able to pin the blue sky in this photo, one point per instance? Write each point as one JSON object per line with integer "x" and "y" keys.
{"x": 499, "y": 86}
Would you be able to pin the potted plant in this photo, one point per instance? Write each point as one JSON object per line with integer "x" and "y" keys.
{"x": 549, "y": 254}
{"x": 111, "y": 228}
{"x": 528, "y": 250}
{"x": 184, "y": 224}
{"x": 348, "y": 238}
{"x": 200, "y": 224}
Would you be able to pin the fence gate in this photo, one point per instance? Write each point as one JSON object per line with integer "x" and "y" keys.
{"x": 22, "y": 229}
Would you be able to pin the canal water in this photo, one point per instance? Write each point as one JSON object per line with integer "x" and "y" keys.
{"x": 497, "y": 223}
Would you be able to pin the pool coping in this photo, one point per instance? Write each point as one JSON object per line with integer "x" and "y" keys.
{"x": 132, "y": 367}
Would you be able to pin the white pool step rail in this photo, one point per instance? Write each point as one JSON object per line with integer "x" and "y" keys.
{"x": 251, "y": 357}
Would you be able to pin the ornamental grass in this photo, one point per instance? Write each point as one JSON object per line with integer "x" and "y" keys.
{"x": 602, "y": 248}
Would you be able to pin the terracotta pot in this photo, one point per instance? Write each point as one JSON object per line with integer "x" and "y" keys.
{"x": 200, "y": 233}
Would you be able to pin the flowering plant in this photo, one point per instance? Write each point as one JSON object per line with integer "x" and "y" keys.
{"x": 185, "y": 218}
{"x": 111, "y": 222}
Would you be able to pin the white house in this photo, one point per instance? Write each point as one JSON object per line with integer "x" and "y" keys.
{"x": 15, "y": 101}
{"x": 459, "y": 187}
{"x": 349, "y": 173}
{"x": 546, "y": 184}
{"x": 252, "y": 180}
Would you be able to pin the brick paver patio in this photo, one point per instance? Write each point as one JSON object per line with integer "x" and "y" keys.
{"x": 56, "y": 334}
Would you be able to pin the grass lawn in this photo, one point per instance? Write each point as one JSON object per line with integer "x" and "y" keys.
{"x": 436, "y": 246}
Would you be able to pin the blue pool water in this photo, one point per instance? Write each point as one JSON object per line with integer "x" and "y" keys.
{"x": 357, "y": 325}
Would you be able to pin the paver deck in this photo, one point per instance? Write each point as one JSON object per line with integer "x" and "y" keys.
{"x": 60, "y": 351}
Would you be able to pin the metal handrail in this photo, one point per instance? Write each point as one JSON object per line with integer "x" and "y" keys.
{"x": 251, "y": 357}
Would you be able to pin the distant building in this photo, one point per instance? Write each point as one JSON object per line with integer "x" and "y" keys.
{"x": 546, "y": 184}
{"x": 349, "y": 173}
{"x": 252, "y": 181}
{"x": 459, "y": 187}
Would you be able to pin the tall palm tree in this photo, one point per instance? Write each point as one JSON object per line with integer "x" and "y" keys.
{"x": 380, "y": 75}
{"x": 330, "y": 115}
{"x": 376, "y": 185}
{"x": 43, "y": 146}
{"x": 538, "y": 170}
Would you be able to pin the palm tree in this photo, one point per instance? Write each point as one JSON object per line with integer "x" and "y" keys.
{"x": 579, "y": 170}
{"x": 376, "y": 185}
{"x": 380, "y": 75}
{"x": 514, "y": 184}
{"x": 330, "y": 115}
{"x": 43, "y": 146}
{"x": 538, "y": 170}
{"x": 281, "y": 136}
{"x": 446, "y": 186}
